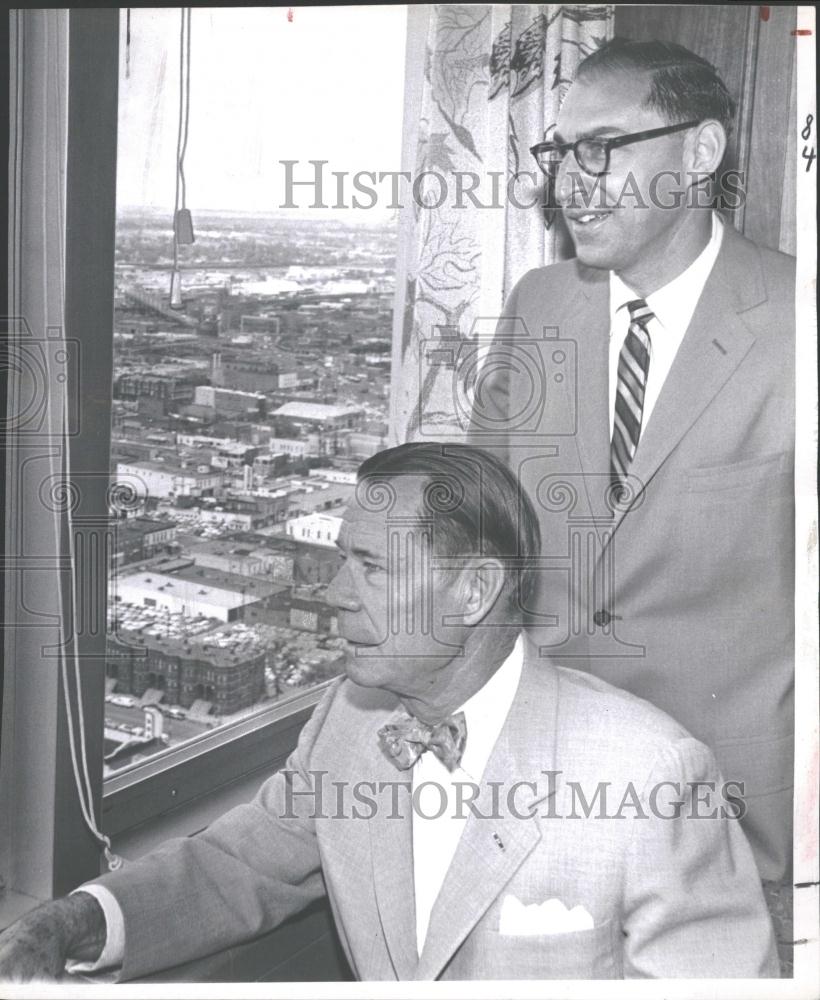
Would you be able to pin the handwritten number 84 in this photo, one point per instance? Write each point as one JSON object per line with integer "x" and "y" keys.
{"x": 808, "y": 154}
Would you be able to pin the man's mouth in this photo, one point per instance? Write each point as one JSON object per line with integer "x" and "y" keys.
{"x": 588, "y": 220}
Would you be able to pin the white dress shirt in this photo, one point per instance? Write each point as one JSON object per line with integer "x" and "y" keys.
{"x": 435, "y": 837}
{"x": 114, "y": 947}
{"x": 434, "y": 840}
{"x": 673, "y": 307}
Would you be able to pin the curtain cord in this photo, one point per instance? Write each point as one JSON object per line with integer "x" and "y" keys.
{"x": 76, "y": 740}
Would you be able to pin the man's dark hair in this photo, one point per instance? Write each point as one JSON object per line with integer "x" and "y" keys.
{"x": 683, "y": 86}
{"x": 479, "y": 507}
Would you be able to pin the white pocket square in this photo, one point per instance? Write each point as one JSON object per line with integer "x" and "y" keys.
{"x": 549, "y": 917}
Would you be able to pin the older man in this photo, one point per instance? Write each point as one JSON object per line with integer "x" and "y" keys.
{"x": 469, "y": 811}
{"x": 662, "y": 447}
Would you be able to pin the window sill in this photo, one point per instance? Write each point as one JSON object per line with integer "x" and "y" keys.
{"x": 186, "y": 787}
{"x": 189, "y": 818}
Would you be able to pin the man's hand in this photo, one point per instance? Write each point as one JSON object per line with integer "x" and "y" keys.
{"x": 38, "y": 945}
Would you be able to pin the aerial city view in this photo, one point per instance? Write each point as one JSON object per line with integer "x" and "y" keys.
{"x": 251, "y": 377}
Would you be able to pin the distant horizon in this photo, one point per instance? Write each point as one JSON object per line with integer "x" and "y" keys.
{"x": 357, "y": 216}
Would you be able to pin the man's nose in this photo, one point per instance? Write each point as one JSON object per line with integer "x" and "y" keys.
{"x": 570, "y": 182}
{"x": 341, "y": 592}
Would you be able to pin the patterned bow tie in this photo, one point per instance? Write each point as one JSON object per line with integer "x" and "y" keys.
{"x": 406, "y": 739}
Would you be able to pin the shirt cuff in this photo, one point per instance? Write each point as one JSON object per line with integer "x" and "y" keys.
{"x": 114, "y": 947}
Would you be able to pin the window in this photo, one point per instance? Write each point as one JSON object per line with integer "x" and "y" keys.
{"x": 303, "y": 124}
{"x": 238, "y": 363}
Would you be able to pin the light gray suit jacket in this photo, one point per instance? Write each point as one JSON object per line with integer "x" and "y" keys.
{"x": 685, "y": 595}
{"x": 669, "y": 896}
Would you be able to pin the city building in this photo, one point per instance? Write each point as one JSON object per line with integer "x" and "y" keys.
{"x": 314, "y": 496}
{"x": 332, "y": 475}
{"x": 223, "y": 670}
{"x": 251, "y": 374}
{"x": 362, "y": 446}
{"x": 268, "y": 465}
{"x": 234, "y": 455}
{"x": 317, "y": 529}
{"x": 310, "y": 446}
{"x": 311, "y": 613}
{"x": 141, "y": 538}
{"x": 169, "y": 392}
{"x": 167, "y": 479}
{"x": 248, "y": 512}
{"x": 229, "y": 555}
{"x": 196, "y": 592}
{"x": 312, "y": 564}
{"x": 231, "y": 402}
{"x": 321, "y": 417}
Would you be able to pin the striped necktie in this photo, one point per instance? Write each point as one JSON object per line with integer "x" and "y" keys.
{"x": 633, "y": 368}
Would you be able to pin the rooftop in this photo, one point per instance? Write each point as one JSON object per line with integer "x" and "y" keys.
{"x": 169, "y": 468}
{"x": 144, "y": 525}
{"x": 315, "y": 411}
{"x": 252, "y": 586}
{"x": 231, "y": 546}
{"x": 201, "y": 585}
{"x": 214, "y": 641}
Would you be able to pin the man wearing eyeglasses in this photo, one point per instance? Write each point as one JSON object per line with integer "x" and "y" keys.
{"x": 665, "y": 414}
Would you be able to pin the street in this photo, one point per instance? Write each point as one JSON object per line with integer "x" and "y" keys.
{"x": 178, "y": 730}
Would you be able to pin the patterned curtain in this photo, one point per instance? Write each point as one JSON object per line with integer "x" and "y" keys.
{"x": 494, "y": 79}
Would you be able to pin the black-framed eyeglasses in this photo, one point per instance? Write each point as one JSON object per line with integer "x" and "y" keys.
{"x": 593, "y": 154}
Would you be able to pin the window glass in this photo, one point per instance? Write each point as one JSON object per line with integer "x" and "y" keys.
{"x": 252, "y": 345}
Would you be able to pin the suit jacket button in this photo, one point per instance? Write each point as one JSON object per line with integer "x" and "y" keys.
{"x": 602, "y": 618}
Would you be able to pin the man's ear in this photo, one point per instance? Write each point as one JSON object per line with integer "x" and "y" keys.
{"x": 483, "y": 581}
{"x": 705, "y": 147}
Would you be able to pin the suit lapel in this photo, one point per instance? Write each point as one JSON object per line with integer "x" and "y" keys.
{"x": 588, "y": 327}
{"x": 481, "y": 867}
{"x": 714, "y": 345}
{"x": 391, "y": 846}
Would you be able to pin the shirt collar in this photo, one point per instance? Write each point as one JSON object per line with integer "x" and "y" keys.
{"x": 674, "y": 304}
{"x": 486, "y": 711}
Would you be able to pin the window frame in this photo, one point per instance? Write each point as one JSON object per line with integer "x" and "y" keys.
{"x": 46, "y": 847}
{"x": 188, "y": 772}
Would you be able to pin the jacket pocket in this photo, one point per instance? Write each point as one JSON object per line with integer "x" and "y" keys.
{"x": 590, "y": 954}
{"x": 764, "y": 471}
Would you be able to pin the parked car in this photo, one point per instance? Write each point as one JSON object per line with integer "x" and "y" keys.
{"x": 122, "y": 700}
{"x": 173, "y": 711}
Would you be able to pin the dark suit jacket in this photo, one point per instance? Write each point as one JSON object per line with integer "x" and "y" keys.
{"x": 669, "y": 895}
{"x": 683, "y": 594}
